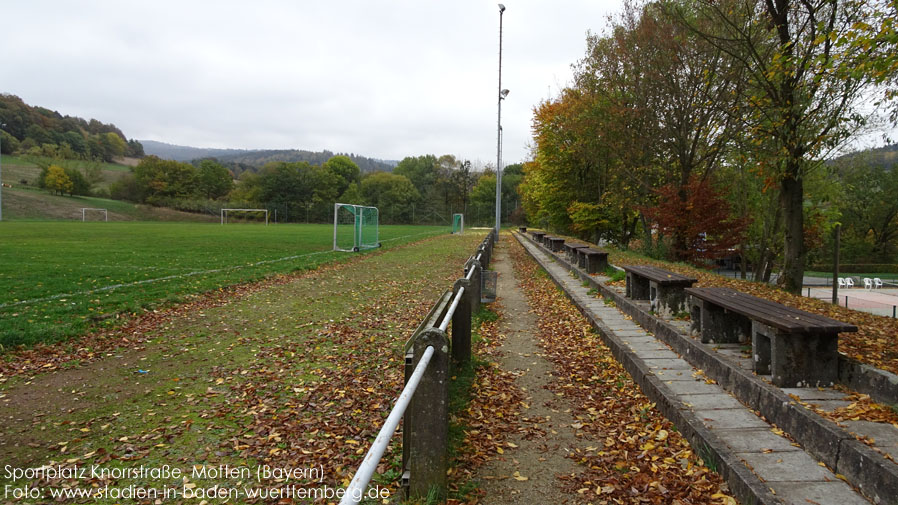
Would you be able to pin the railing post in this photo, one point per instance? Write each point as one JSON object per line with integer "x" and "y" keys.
{"x": 476, "y": 284}
{"x": 485, "y": 255}
{"x": 461, "y": 323}
{"x": 407, "y": 424}
{"x": 430, "y": 410}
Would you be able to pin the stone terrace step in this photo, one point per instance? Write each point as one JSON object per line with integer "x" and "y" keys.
{"x": 760, "y": 465}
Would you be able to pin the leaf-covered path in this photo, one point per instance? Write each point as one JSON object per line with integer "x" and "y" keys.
{"x": 593, "y": 437}
{"x": 526, "y": 470}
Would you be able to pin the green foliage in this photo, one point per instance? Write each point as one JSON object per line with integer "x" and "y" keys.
{"x": 80, "y": 184}
{"x": 353, "y": 195}
{"x": 8, "y": 143}
{"x": 215, "y": 181}
{"x": 394, "y": 195}
{"x": 869, "y": 212}
{"x": 347, "y": 171}
{"x": 615, "y": 274}
{"x": 157, "y": 178}
{"x": 483, "y": 200}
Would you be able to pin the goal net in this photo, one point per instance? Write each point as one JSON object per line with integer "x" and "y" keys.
{"x": 94, "y": 214}
{"x": 355, "y": 227}
{"x": 458, "y": 223}
{"x": 244, "y": 215}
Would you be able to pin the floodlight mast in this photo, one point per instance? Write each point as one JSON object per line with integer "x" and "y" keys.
{"x": 2, "y": 125}
{"x": 502, "y": 94}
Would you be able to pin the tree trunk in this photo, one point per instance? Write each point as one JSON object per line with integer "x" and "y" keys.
{"x": 649, "y": 245}
{"x": 768, "y": 268}
{"x": 794, "y": 253}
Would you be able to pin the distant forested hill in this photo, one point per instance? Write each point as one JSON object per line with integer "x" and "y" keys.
{"x": 243, "y": 159}
{"x": 38, "y": 131}
{"x": 882, "y": 157}
{"x": 186, "y": 153}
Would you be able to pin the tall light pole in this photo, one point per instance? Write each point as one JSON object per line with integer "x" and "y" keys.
{"x": 502, "y": 94}
{"x": 2, "y": 125}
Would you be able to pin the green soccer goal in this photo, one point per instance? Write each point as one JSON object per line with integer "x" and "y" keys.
{"x": 458, "y": 223}
{"x": 355, "y": 227}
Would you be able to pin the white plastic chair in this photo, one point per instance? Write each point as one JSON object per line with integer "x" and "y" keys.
{"x": 868, "y": 283}
{"x": 877, "y": 283}
{"x": 841, "y": 282}
{"x": 849, "y": 283}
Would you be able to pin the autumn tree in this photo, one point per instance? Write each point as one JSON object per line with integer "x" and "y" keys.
{"x": 798, "y": 89}
{"x": 57, "y": 181}
{"x": 703, "y": 223}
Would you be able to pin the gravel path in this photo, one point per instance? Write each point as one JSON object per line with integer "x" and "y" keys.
{"x": 528, "y": 473}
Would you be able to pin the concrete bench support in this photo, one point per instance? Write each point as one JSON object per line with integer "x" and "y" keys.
{"x": 795, "y": 360}
{"x": 665, "y": 290}
{"x": 716, "y": 324}
{"x": 555, "y": 244}
{"x": 592, "y": 260}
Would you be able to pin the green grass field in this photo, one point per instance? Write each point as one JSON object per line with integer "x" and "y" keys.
{"x": 308, "y": 369}
{"x": 60, "y": 279}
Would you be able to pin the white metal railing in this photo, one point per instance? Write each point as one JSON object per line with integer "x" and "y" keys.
{"x": 356, "y": 489}
{"x": 451, "y": 311}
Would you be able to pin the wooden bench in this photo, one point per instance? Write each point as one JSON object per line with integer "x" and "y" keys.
{"x": 538, "y": 236}
{"x": 555, "y": 244}
{"x": 592, "y": 260}
{"x": 570, "y": 250}
{"x": 797, "y": 348}
{"x": 663, "y": 289}
{"x": 522, "y": 229}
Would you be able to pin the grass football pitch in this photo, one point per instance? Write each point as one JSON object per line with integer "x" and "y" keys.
{"x": 60, "y": 279}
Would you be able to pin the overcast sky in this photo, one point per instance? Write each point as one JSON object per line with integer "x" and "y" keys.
{"x": 384, "y": 79}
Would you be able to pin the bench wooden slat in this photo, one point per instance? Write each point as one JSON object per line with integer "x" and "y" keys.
{"x": 773, "y": 313}
{"x": 659, "y": 275}
{"x": 770, "y": 313}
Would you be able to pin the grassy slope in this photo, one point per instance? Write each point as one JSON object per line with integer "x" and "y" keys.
{"x": 15, "y": 169}
{"x": 297, "y": 375}
{"x": 27, "y": 201}
{"x": 65, "y": 270}
{"x": 33, "y": 204}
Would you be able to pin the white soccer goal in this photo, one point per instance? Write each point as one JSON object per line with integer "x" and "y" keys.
{"x": 224, "y": 214}
{"x": 355, "y": 227}
{"x": 458, "y": 223}
{"x": 85, "y": 210}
